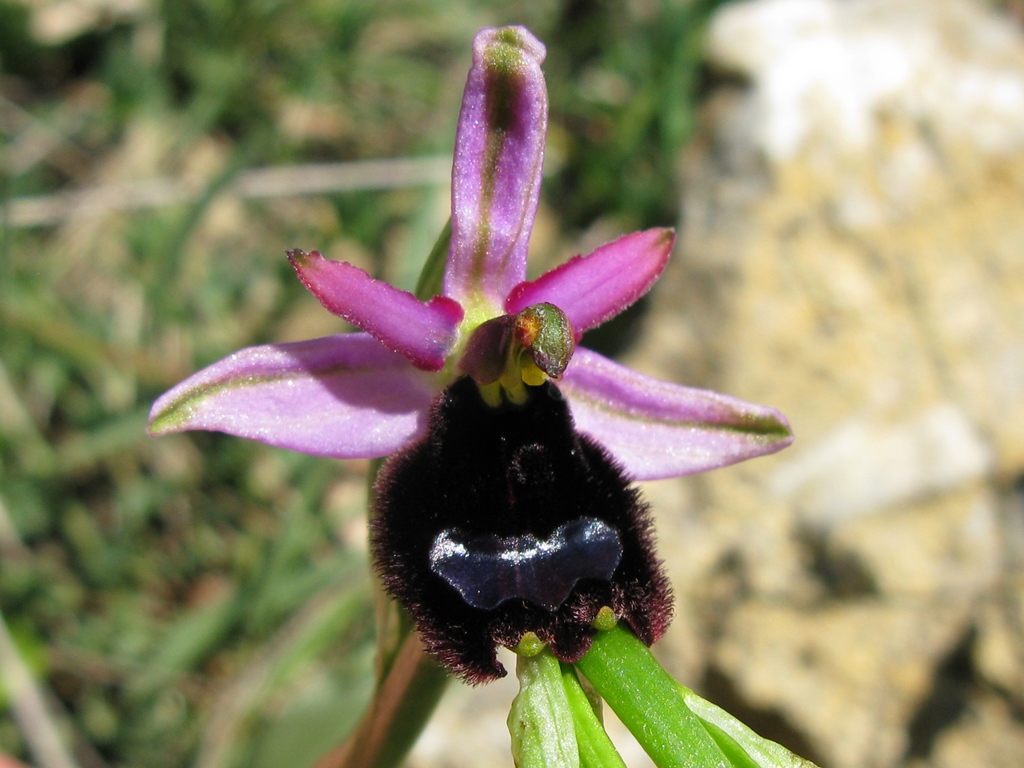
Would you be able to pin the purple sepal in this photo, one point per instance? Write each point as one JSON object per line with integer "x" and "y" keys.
{"x": 656, "y": 429}
{"x": 593, "y": 289}
{"x": 344, "y": 396}
{"x": 499, "y": 155}
{"x": 422, "y": 331}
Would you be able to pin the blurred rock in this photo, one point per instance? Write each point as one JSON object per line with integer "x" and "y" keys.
{"x": 852, "y": 252}
{"x": 989, "y": 734}
{"x": 57, "y": 22}
{"x": 877, "y": 659}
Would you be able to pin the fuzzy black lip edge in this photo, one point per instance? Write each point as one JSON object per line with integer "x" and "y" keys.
{"x": 463, "y": 638}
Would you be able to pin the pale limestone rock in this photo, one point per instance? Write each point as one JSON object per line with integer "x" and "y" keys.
{"x": 999, "y": 648}
{"x": 867, "y": 464}
{"x": 825, "y": 72}
{"x": 838, "y": 673}
{"x": 944, "y": 549}
{"x": 988, "y": 734}
{"x": 852, "y": 252}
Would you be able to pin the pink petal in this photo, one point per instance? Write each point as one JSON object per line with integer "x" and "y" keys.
{"x": 344, "y": 396}
{"x": 422, "y": 331}
{"x": 499, "y": 154}
{"x": 657, "y": 429}
{"x": 592, "y": 289}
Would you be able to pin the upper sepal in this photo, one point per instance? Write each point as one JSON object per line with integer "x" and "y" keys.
{"x": 499, "y": 155}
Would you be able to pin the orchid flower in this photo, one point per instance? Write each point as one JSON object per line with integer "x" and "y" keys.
{"x": 525, "y": 444}
{"x": 368, "y": 394}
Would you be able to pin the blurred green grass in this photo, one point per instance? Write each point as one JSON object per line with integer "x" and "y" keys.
{"x": 200, "y": 599}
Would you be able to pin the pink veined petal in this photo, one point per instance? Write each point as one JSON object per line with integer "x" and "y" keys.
{"x": 496, "y": 176}
{"x": 592, "y": 289}
{"x": 656, "y": 429}
{"x": 422, "y": 331}
{"x": 344, "y": 396}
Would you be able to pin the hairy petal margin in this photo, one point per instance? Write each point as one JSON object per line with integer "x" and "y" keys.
{"x": 422, "y": 331}
{"x": 593, "y": 289}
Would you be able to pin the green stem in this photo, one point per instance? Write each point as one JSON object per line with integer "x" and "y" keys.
{"x": 431, "y": 279}
{"x": 648, "y": 701}
{"x": 596, "y": 749}
{"x": 401, "y": 706}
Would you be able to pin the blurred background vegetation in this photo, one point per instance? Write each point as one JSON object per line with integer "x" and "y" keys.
{"x": 202, "y": 600}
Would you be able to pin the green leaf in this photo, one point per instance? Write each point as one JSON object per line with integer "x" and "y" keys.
{"x": 541, "y": 721}
{"x": 735, "y": 738}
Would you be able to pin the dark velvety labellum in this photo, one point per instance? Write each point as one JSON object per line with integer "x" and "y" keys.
{"x": 503, "y": 520}
{"x": 489, "y": 570}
